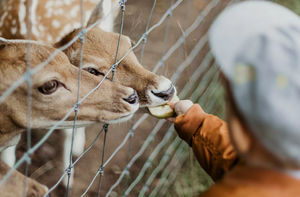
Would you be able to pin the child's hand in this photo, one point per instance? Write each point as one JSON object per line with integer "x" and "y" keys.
{"x": 180, "y": 107}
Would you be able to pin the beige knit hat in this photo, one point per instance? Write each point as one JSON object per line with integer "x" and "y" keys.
{"x": 257, "y": 45}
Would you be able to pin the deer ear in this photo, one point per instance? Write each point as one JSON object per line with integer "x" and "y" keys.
{"x": 106, "y": 11}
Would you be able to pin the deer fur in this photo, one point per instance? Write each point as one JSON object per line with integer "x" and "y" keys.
{"x": 108, "y": 103}
{"x": 51, "y": 19}
{"x": 14, "y": 187}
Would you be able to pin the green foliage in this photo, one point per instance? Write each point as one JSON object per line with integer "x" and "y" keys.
{"x": 291, "y": 4}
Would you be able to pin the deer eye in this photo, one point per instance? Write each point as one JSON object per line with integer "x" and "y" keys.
{"x": 49, "y": 87}
{"x": 93, "y": 71}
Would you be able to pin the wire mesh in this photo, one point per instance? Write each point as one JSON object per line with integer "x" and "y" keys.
{"x": 173, "y": 149}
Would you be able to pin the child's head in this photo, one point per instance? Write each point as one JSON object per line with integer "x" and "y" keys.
{"x": 257, "y": 45}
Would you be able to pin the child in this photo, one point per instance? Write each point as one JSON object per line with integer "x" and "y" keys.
{"x": 257, "y": 45}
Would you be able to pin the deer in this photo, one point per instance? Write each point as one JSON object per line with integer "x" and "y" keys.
{"x": 15, "y": 184}
{"x": 54, "y": 93}
{"x": 99, "y": 51}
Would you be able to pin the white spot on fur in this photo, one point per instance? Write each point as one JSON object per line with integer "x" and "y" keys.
{"x": 75, "y": 11}
{"x": 49, "y": 38}
{"x": 49, "y": 5}
{"x": 41, "y": 28}
{"x": 59, "y": 11}
{"x": 67, "y": 2}
{"x": 22, "y": 14}
{"x": 56, "y": 23}
{"x": 58, "y": 3}
{"x": 107, "y": 23}
{"x": 3, "y": 18}
{"x": 13, "y": 30}
{"x": 33, "y": 17}
{"x": 76, "y": 25}
{"x": 14, "y": 22}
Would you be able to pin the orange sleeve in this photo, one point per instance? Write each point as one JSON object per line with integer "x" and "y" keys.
{"x": 208, "y": 136}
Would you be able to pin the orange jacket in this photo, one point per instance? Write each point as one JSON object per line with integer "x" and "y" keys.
{"x": 208, "y": 136}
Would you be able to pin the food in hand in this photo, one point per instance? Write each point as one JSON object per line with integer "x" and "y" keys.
{"x": 164, "y": 111}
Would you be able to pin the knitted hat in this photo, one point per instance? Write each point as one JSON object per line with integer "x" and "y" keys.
{"x": 257, "y": 45}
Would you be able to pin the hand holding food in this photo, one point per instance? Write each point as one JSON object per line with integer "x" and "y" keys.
{"x": 164, "y": 111}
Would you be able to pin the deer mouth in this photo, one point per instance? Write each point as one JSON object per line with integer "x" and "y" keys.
{"x": 166, "y": 94}
{"x": 160, "y": 97}
{"x": 158, "y": 93}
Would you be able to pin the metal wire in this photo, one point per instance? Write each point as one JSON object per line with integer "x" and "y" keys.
{"x": 29, "y": 93}
{"x": 26, "y": 156}
{"x": 186, "y": 33}
{"x": 101, "y": 169}
{"x": 199, "y": 46}
{"x": 149, "y": 139}
{"x": 180, "y": 69}
{"x": 40, "y": 66}
{"x": 182, "y": 94}
{"x": 147, "y": 27}
{"x": 169, "y": 134}
{"x": 164, "y": 179}
{"x": 75, "y": 162}
{"x": 147, "y": 164}
{"x": 177, "y": 160}
{"x": 163, "y": 161}
{"x": 76, "y": 110}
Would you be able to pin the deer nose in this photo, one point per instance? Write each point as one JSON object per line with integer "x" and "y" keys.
{"x": 165, "y": 95}
{"x": 132, "y": 99}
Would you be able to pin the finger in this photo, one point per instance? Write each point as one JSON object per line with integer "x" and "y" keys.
{"x": 182, "y": 106}
{"x": 172, "y": 104}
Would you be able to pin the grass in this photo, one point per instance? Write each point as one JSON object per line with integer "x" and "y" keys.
{"x": 293, "y": 5}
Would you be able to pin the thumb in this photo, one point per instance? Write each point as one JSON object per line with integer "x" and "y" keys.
{"x": 183, "y": 106}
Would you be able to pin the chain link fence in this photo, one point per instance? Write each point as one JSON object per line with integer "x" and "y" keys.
{"x": 152, "y": 168}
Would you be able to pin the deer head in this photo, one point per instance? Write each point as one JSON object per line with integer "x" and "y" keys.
{"x": 54, "y": 92}
{"x": 99, "y": 55}
{"x": 49, "y": 23}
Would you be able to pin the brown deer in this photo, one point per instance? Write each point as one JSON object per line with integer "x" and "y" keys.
{"x": 98, "y": 52}
{"x": 54, "y": 92}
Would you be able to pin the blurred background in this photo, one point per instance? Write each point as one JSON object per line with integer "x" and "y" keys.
{"x": 167, "y": 167}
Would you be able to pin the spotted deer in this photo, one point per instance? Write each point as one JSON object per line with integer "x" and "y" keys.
{"x": 54, "y": 93}
{"x": 98, "y": 51}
